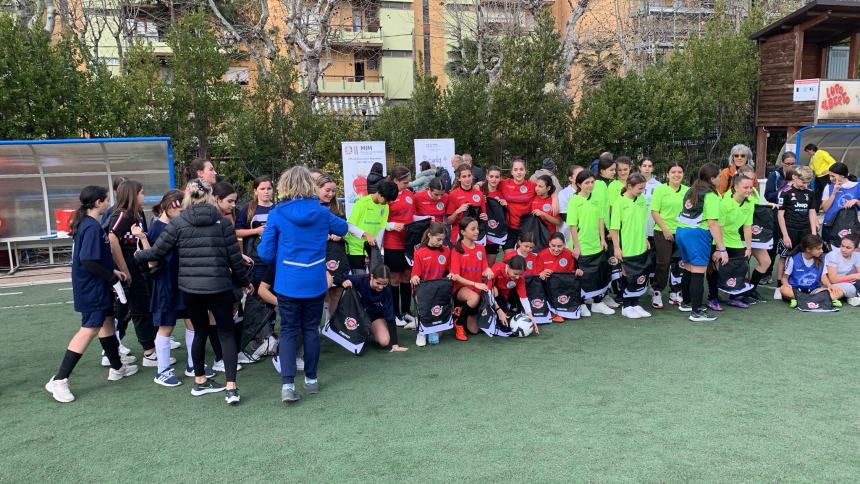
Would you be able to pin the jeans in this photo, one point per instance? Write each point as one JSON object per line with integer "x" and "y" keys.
{"x": 299, "y": 315}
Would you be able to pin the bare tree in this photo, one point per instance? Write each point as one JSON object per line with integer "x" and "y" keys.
{"x": 248, "y": 27}
{"x": 570, "y": 45}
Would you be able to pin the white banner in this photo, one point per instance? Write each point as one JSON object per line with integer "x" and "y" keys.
{"x": 805, "y": 90}
{"x": 437, "y": 151}
{"x": 358, "y": 157}
{"x": 838, "y": 100}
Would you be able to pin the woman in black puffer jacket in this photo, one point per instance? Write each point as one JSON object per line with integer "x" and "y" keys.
{"x": 209, "y": 262}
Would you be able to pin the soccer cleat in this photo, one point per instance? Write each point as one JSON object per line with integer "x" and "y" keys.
{"x": 219, "y": 366}
{"x": 232, "y": 397}
{"x": 245, "y": 359}
{"x": 630, "y": 312}
{"x": 854, "y": 301}
{"x": 737, "y": 303}
{"x": 174, "y": 344}
{"x": 460, "y": 333}
{"x": 59, "y": 389}
{"x": 125, "y": 359}
{"x": 675, "y": 298}
{"x": 700, "y": 316}
{"x": 421, "y": 340}
{"x": 792, "y": 303}
{"x": 124, "y": 371}
{"x": 151, "y": 361}
{"x": 609, "y": 301}
{"x": 714, "y": 305}
{"x": 602, "y": 308}
{"x": 684, "y": 308}
{"x": 207, "y": 372}
{"x": 167, "y": 378}
{"x": 657, "y": 300}
{"x": 433, "y": 338}
{"x": 642, "y": 312}
{"x": 312, "y": 387}
{"x": 837, "y": 303}
{"x": 289, "y": 394}
{"x": 584, "y": 312}
{"x": 209, "y": 386}
{"x": 557, "y": 319}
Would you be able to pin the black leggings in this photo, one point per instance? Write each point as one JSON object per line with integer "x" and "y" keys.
{"x": 198, "y": 307}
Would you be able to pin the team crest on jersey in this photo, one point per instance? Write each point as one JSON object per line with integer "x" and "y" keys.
{"x": 537, "y": 303}
{"x": 732, "y": 282}
{"x": 441, "y": 259}
{"x": 476, "y": 198}
{"x": 350, "y": 323}
{"x": 547, "y": 207}
{"x": 563, "y": 299}
{"x": 756, "y": 229}
{"x": 510, "y": 284}
{"x": 381, "y": 211}
{"x": 479, "y": 255}
{"x": 529, "y": 265}
{"x": 562, "y": 262}
{"x": 523, "y": 189}
{"x": 440, "y": 206}
{"x": 492, "y": 223}
{"x": 408, "y": 199}
{"x": 332, "y": 265}
{"x": 641, "y": 279}
{"x": 436, "y": 311}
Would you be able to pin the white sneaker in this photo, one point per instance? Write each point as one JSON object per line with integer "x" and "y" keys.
{"x": 642, "y": 312}
{"x": 602, "y": 308}
{"x": 777, "y": 294}
{"x": 219, "y": 366}
{"x": 421, "y": 340}
{"x": 59, "y": 389}
{"x": 123, "y": 350}
{"x": 609, "y": 301}
{"x": 245, "y": 359}
{"x": 126, "y": 359}
{"x": 630, "y": 312}
{"x": 584, "y": 312}
{"x": 300, "y": 364}
{"x": 657, "y": 300}
{"x": 675, "y": 298}
{"x": 409, "y": 318}
{"x": 124, "y": 371}
{"x": 413, "y": 325}
{"x": 174, "y": 344}
{"x": 854, "y": 301}
{"x": 399, "y": 322}
{"x": 151, "y": 361}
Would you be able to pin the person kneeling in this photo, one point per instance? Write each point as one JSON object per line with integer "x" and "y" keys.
{"x": 805, "y": 273}
{"x": 377, "y": 301}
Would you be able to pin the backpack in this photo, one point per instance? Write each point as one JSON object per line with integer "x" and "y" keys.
{"x": 842, "y": 224}
{"x": 636, "y": 270}
{"x": 497, "y": 225}
{"x": 414, "y": 233}
{"x": 336, "y": 261}
{"x": 818, "y": 302}
{"x": 536, "y": 294}
{"x": 349, "y": 326}
{"x": 433, "y": 300}
{"x": 487, "y": 318}
{"x": 733, "y": 276}
{"x": 762, "y": 228}
{"x": 530, "y": 223}
{"x": 564, "y": 294}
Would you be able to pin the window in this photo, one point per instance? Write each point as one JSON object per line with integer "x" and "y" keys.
{"x": 837, "y": 62}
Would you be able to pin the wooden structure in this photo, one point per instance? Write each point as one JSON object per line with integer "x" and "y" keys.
{"x": 793, "y": 48}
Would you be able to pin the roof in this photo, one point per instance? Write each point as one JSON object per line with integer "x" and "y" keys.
{"x": 843, "y": 18}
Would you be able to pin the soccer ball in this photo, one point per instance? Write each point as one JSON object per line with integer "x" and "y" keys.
{"x": 521, "y": 325}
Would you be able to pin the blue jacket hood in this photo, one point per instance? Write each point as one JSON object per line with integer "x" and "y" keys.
{"x": 302, "y": 211}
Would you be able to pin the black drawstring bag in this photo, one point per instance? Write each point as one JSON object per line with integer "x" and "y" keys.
{"x": 374, "y": 256}
{"x": 475, "y": 213}
{"x": 595, "y": 280}
{"x": 336, "y": 261}
{"x": 762, "y": 228}
{"x": 257, "y": 317}
{"x": 844, "y": 223}
{"x": 564, "y": 294}
{"x": 636, "y": 269}
{"x": 487, "y": 319}
{"x": 733, "y": 276}
{"x": 497, "y": 225}
{"x": 818, "y": 302}
{"x": 536, "y": 294}
{"x": 414, "y": 233}
{"x": 530, "y": 223}
{"x": 614, "y": 263}
{"x": 433, "y": 300}
{"x": 349, "y": 326}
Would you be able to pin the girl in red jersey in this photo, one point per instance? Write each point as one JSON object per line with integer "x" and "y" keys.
{"x": 518, "y": 192}
{"x": 556, "y": 258}
{"x": 525, "y": 248}
{"x": 545, "y": 203}
{"x": 401, "y": 212}
{"x": 432, "y": 201}
{"x": 464, "y": 195}
{"x": 431, "y": 262}
{"x": 468, "y": 268}
{"x": 509, "y": 290}
{"x": 494, "y": 177}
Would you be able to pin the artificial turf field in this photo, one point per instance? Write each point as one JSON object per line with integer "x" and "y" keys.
{"x": 764, "y": 394}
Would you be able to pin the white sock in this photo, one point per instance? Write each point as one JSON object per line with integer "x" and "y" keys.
{"x": 189, "y": 340}
{"x": 162, "y": 352}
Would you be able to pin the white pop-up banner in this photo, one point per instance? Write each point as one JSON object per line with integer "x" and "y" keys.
{"x": 358, "y": 157}
{"x": 437, "y": 151}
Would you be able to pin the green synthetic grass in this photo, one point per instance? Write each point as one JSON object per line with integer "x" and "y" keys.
{"x": 765, "y": 394}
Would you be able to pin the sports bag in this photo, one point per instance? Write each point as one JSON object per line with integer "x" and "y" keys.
{"x": 349, "y": 326}
{"x": 433, "y": 298}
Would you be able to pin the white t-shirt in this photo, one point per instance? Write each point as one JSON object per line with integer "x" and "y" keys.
{"x": 564, "y": 197}
{"x": 650, "y": 185}
{"x": 843, "y": 266}
{"x": 789, "y": 264}
{"x": 846, "y": 185}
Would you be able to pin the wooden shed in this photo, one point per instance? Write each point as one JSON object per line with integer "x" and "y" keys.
{"x": 800, "y": 46}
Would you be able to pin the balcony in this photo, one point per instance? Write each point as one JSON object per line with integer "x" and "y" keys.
{"x": 349, "y": 85}
{"x": 158, "y": 44}
{"x": 357, "y": 35}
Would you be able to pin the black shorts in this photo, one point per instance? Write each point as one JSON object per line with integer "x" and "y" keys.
{"x": 513, "y": 238}
{"x": 795, "y": 236}
{"x": 395, "y": 260}
{"x": 357, "y": 262}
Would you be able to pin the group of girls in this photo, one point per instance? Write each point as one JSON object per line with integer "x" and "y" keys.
{"x": 618, "y": 229}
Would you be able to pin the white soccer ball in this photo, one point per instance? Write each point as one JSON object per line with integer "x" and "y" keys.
{"x": 521, "y": 325}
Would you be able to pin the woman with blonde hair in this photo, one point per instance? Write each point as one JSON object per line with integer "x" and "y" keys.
{"x": 295, "y": 243}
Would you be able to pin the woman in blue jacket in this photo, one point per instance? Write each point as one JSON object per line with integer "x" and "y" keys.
{"x": 294, "y": 242}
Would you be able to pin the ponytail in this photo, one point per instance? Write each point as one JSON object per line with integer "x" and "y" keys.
{"x": 171, "y": 199}
{"x": 464, "y": 222}
{"x": 435, "y": 228}
{"x": 89, "y": 197}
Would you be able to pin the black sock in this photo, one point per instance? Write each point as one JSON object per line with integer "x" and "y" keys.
{"x": 713, "y": 284}
{"x": 756, "y": 278}
{"x": 111, "y": 347}
{"x": 70, "y": 360}
{"x": 697, "y": 290}
{"x": 406, "y": 298}
{"x": 685, "y": 286}
{"x": 460, "y": 320}
{"x": 395, "y": 298}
